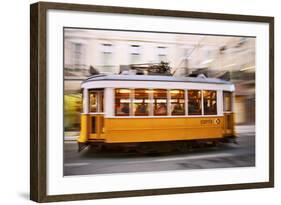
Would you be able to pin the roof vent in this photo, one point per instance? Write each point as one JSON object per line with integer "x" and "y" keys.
{"x": 202, "y": 76}
{"x": 128, "y": 72}
{"x": 125, "y": 72}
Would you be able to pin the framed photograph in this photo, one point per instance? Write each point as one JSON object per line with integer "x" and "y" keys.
{"x": 134, "y": 102}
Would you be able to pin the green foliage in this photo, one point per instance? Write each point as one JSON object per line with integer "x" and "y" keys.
{"x": 72, "y": 110}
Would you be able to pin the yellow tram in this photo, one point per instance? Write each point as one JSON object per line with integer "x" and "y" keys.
{"x": 134, "y": 109}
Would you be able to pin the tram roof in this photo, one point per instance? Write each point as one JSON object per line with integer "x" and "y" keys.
{"x": 199, "y": 79}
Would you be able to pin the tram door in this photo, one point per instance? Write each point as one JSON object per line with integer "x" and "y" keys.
{"x": 228, "y": 113}
{"x": 96, "y": 109}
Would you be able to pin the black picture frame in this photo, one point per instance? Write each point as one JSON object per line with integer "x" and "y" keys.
{"x": 38, "y": 103}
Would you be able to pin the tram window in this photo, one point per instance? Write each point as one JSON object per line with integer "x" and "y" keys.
{"x": 210, "y": 102}
{"x": 122, "y": 102}
{"x": 194, "y": 102}
{"x": 227, "y": 101}
{"x": 96, "y": 101}
{"x": 160, "y": 102}
{"x": 177, "y": 102}
{"x": 93, "y": 96}
{"x": 101, "y": 98}
{"x": 141, "y": 102}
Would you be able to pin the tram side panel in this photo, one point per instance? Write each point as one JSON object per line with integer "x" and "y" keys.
{"x": 124, "y": 130}
{"x": 96, "y": 128}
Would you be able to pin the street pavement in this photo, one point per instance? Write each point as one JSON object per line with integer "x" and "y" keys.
{"x": 224, "y": 155}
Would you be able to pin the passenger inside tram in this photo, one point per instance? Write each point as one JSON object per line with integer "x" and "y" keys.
{"x": 194, "y": 107}
{"x": 125, "y": 109}
{"x": 141, "y": 109}
{"x": 160, "y": 109}
{"x": 178, "y": 109}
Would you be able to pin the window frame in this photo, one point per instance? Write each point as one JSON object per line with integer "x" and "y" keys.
{"x": 134, "y": 98}
{"x": 135, "y": 53}
{"x": 216, "y": 97}
{"x": 130, "y": 103}
{"x": 162, "y": 53}
{"x": 106, "y": 54}
{"x": 201, "y": 102}
{"x": 231, "y": 101}
{"x": 169, "y": 104}
{"x": 100, "y": 104}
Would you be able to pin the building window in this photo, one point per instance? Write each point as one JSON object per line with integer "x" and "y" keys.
{"x": 162, "y": 53}
{"x": 227, "y": 101}
{"x": 122, "y": 102}
{"x": 177, "y": 102}
{"x": 141, "y": 102}
{"x": 135, "y": 54}
{"x": 210, "y": 102}
{"x": 194, "y": 102}
{"x": 107, "y": 57}
{"x": 78, "y": 55}
{"x": 160, "y": 102}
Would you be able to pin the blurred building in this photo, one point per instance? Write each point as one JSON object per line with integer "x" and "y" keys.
{"x": 106, "y": 51}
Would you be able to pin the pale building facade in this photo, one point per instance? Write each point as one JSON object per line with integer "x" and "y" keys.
{"x": 108, "y": 50}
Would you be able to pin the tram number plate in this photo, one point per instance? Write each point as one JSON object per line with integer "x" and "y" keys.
{"x": 216, "y": 121}
{"x": 203, "y": 122}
